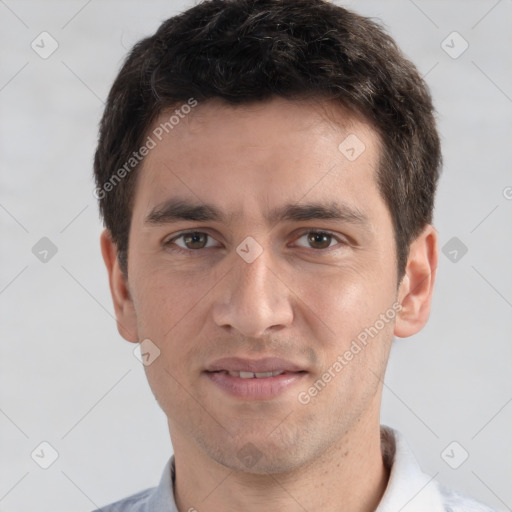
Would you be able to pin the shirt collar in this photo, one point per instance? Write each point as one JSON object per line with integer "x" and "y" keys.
{"x": 408, "y": 489}
{"x": 163, "y": 497}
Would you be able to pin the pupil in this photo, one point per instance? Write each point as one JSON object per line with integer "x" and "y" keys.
{"x": 195, "y": 238}
{"x": 320, "y": 238}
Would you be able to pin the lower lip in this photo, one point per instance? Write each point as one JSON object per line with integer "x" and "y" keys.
{"x": 265, "y": 388}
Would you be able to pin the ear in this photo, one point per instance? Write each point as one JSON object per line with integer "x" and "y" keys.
{"x": 416, "y": 288}
{"x": 123, "y": 303}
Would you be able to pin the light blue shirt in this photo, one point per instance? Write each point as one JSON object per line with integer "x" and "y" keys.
{"x": 408, "y": 489}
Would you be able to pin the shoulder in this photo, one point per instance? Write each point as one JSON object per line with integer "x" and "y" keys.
{"x": 135, "y": 503}
{"x": 454, "y": 501}
{"x": 153, "y": 499}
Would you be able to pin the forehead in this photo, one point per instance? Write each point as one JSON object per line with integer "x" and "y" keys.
{"x": 253, "y": 155}
{"x": 258, "y": 121}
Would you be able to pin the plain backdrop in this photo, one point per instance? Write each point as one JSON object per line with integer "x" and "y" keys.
{"x": 67, "y": 378}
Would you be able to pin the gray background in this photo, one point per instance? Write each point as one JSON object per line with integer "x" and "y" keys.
{"x": 69, "y": 379}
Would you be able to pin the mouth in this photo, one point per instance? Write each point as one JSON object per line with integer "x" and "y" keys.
{"x": 253, "y": 368}
{"x": 253, "y": 375}
{"x": 256, "y": 385}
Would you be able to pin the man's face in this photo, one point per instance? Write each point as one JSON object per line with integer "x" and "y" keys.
{"x": 317, "y": 284}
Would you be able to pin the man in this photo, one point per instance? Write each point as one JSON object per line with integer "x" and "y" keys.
{"x": 266, "y": 171}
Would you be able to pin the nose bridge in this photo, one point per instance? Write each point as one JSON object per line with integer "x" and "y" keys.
{"x": 253, "y": 298}
{"x": 255, "y": 276}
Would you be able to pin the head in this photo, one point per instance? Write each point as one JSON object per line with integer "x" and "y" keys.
{"x": 300, "y": 125}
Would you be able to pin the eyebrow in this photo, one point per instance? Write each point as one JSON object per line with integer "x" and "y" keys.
{"x": 176, "y": 209}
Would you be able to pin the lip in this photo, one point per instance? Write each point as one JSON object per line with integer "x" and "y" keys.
{"x": 265, "y": 388}
{"x": 266, "y": 364}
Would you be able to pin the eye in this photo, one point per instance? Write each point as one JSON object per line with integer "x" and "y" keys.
{"x": 192, "y": 240}
{"x": 319, "y": 239}
{"x": 196, "y": 240}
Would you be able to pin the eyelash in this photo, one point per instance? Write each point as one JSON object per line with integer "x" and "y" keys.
{"x": 180, "y": 250}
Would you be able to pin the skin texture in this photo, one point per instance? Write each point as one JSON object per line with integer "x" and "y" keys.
{"x": 301, "y": 300}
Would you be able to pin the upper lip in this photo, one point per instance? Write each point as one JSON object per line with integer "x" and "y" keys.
{"x": 267, "y": 364}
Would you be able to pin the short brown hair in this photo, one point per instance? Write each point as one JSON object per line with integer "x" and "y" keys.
{"x": 250, "y": 50}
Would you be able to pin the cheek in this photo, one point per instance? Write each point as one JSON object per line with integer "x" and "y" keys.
{"x": 345, "y": 300}
{"x": 354, "y": 354}
{"x": 166, "y": 297}
{"x": 170, "y": 312}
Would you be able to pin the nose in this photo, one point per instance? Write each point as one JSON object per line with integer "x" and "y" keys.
{"x": 254, "y": 298}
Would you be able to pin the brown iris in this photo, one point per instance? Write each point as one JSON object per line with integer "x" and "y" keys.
{"x": 323, "y": 239}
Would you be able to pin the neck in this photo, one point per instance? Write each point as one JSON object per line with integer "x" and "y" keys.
{"x": 350, "y": 476}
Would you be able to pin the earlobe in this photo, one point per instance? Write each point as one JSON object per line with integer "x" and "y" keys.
{"x": 123, "y": 303}
{"x": 416, "y": 288}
